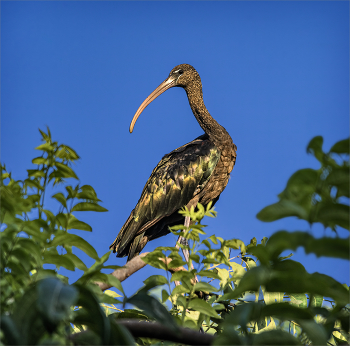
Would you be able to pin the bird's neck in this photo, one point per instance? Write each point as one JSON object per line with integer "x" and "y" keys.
{"x": 217, "y": 133}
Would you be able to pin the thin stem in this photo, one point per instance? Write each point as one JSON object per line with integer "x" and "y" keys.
{"x": 43, "y": 193}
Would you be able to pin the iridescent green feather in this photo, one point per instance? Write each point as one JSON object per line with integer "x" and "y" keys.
{"x": 178, "y": 177}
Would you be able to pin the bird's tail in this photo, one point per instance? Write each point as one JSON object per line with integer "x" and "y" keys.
{"x": 124, "y": 230}
{"x": 126, "y": 243}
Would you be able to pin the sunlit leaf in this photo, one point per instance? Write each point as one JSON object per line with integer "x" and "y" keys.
{"x": 75, "y": 240}
{"x": 60, "y": 197}
{"x": 45, "y": 147}
{"x": 74, "y": 223}
{"x": 65, "y": 171}
{"x": 59, "y": 261}
{"x": 204, "y": 286}
{"x": 299, "y": 300}
{"x": 203, "y": 307}
{"x": 87, "y": 206}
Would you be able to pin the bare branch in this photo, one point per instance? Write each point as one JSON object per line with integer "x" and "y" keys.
{"x": 158, "y": 331}
{"x": 131, "y": 267}
{"x": 123, "y": 273}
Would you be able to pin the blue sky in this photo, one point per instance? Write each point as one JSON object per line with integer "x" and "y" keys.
{"x": 274, "y": 74}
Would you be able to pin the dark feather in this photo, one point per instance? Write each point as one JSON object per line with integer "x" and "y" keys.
{"x": 177, "y": 179}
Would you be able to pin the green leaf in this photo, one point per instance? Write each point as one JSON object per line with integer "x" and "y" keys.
{"x": 334, "y": 214}
{"x": 59, "y": 261}
{"x": 33, "y": 183}
{"x": 91, "y": 314}
{"x": 275, "y": 337}
{"x": 281, "y": 209}
{"x": 315, "y": 148}
{"x": 130, "y": 314}
{"x": 87, "y": 206}
{"x": 204, "y": 286}
{"x": 326, "y": 246}
{"x": 87, "y": 192}
{"x": 165, "y": 296}
{"x": 112, "y": 294}
{"x": 153, "y": 308}
{"x": 195, "y": 258}
{"x": 46, "y": 137}
{"x": 229, "y": 336}
{"x": 27, "y": 319}
{"x": 55, "y": 300}
{"x": 74, "y": 223}
{"x": 182, "y": 275}
{"x": 176, "y": 263}
{"x": 45, "y": 147}
{"x": 299, "y": 300}
{"x": 11, "y": 333}
{"x": 203, "y": 307}
{"x": 251, "y": 281}
{"x": 60, "y": 197}
{"x": 224, "y": 276}
{"x": 272, "y": 297}
{"x": 75, "y": 240}
{"x": 65, "y": 171}
{"x": 209, "y": 274}
{"x": 341, "y": 147}
{"x": 339, "y": 177}
{"x": 153, "y": 281}
{"x": 35, "y": 173}
{"x": 317, "y": 300}
{"x": 315, "y": 332}
{"x": 286, "y": 311}
{"x": 40, "y": 161}
{"x": 235, "y": 244}
{"x": 300, "y": 282}
{"x": 87, "y": 338}
{"x": 62, "y": 219}
{"x": 179, "y": 290}
{"x": 71, "y": 193}
{"x": 31, "y": 246}
{"x": 66, "y": 152}
{"x": 119, "y": 334}
{"x": 78, "y": 263}
{"x": 153, "y": 259}
{"x": 115, "y": 282}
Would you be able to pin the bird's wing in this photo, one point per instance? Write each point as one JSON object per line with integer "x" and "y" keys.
{"x": 177, "y": 178}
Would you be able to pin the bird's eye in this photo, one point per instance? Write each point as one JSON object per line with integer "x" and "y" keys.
{"x": 180, "y": 72}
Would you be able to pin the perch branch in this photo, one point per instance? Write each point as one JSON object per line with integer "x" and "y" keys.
{"x": 131, "y": 267}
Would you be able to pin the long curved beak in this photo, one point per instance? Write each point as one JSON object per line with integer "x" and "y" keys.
{"x": 168, "y": 83}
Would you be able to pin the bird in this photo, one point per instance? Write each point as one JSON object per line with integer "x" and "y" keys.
{"x": 196, "y": 172}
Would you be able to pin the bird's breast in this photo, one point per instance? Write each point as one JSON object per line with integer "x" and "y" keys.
{"x": 221, "y": 174}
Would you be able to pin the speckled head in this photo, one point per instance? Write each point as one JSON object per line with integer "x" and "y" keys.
{"x": 183, "y": 75}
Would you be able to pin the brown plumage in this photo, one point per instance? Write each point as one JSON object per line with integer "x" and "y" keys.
{"x": 195, "y": 173}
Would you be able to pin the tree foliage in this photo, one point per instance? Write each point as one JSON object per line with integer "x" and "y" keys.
{"x": 236, "y": 293}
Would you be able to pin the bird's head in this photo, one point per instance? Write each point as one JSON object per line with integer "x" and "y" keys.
{"x": 180, "y": 76}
